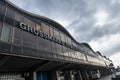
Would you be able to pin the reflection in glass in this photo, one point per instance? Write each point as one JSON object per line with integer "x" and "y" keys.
{"x": 5, "y": 35}
{"x": 38, "y": 27}
{"x": 45, "y": 28}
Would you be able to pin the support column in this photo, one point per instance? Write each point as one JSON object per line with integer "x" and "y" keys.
{"x": 34, "y": 76}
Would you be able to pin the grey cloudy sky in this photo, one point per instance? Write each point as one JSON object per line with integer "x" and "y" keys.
{"x": 93, "y": 21}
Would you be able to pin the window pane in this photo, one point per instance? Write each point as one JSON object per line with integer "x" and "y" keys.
{"x": 19, "y": 17}
{"x": 38, "y": 27}
{"x": 29, "y": 40}
{"x": 5, "y": 33}
{"x": 17, "y": 36}
{"x": 10, "y": 13}
{"x": 2, "y": 9}
{"x": 45, "y": 28}
{"x": 29, "y": 22}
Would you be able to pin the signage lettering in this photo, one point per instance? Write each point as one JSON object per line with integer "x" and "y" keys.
{"x": 43, "y": 35}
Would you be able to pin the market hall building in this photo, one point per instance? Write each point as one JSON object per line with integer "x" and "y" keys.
{"x": 33, "y": 47}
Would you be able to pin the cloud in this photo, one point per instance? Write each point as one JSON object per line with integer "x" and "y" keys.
{"x": 107, "y": 44}
{"x": 101, "y": 17}
{"x": 115, "y": 59}
{"x": 95, "y": 22}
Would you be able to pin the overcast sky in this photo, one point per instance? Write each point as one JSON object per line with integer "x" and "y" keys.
{"x": 93, "y": 21}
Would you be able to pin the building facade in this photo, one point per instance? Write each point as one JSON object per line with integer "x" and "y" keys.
{"x": 33, "y": 47}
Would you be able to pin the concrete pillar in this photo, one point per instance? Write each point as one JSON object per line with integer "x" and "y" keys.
{"x": 34, "y": 75}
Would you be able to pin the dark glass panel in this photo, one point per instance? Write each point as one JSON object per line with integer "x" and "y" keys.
{"x": 44, "y": 45}
{"x": 5, "y": 35}
{"x": 29, "y": 40}
{"x": 16, "y": 49}
{"x": 4, "y": 47}
{"x": 1, "y": 17}
{"x": 17, "y": 36}
{"x": 10, "y": 13}
{"x": 29, "y": 51}
{"x": 2, "y": 9}
{"x": 9, "y": 21}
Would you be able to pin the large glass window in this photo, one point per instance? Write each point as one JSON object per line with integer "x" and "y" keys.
{"x": 2, "y": 9}
{"x": 45, "y": 28}
{"x": 5, "y": 35}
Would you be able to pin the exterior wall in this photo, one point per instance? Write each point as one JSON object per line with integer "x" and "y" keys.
{"x": 51, "y": 43}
